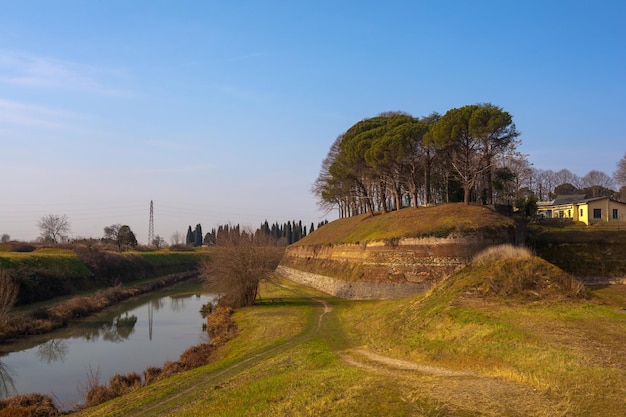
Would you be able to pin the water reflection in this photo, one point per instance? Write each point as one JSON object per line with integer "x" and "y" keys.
{"x": 178, "y": 303}
{"x": 54, "y": 350}
{"x": 157, "y": 330}
{"x": 119, "y": 329}
{"x": 116, "y": 330}
{"x": 7, "y": 385}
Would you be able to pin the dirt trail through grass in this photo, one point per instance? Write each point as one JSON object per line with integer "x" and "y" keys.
{"x": 369, "y": 360}
{"x": 465, "y": 393}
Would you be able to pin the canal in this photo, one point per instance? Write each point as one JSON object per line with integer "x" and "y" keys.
{"x": 132, "y": 336}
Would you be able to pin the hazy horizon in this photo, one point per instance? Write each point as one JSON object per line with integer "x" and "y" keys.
{"x": 223, "y": 112}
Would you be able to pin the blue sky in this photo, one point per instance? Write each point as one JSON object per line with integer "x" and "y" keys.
{"x": 223, "y": 111}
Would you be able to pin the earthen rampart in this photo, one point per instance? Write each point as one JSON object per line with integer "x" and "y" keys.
{"x": 379, "y": 270}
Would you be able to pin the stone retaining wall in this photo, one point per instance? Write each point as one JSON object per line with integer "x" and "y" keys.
{"x": 397, "y": 261}
{"x": 353, "y": 290}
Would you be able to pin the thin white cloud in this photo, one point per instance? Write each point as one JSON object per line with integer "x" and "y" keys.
{"x": 13, "y": 113}
{"x": 27, "y": 70}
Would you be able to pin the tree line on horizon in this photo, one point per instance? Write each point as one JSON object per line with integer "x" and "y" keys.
{"x": 469, "y": 155}
{"x": 286, "y": 233}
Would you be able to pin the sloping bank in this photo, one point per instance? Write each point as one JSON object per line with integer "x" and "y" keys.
{"x": 437, "y": 241}
{"x": 48, "y": 273}
{"x": 45, "y": 274}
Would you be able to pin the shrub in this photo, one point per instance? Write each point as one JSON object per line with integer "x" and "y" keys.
{"x": 121, "y": 384}
{"x": 118, "y": 386}
{"x": 220, "y": 324}
{"x": 36, "y": 405}
{"x": 197, "y": 356}
{"x": 98, "y": 395}
{"x": 21, "y": 247}
{"x": 151, "y": 374}
{"x": 182, "y": 248}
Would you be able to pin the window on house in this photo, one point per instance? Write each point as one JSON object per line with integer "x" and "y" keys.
{"x": 615, "y": 215}
{"x": 582, "y": 213}
{"x": 597, "y": 213}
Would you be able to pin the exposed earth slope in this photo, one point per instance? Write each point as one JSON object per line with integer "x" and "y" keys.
{"x": 394, "y": 254}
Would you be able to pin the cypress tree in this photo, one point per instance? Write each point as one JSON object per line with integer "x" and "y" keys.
{"x": 198, "y": 235}
{"x": 289, "y": 233}
{"x": 190, "y": 237}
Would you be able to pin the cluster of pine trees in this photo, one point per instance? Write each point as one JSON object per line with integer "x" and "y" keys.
{"x": 396, "y": 160}
{"x": 286, "y": 233}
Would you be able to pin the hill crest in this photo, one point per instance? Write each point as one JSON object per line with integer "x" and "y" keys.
{"x": 444, "y": 220}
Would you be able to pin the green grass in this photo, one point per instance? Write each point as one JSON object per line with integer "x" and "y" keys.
{"x": 566, "y": 348}
{"x": 557, "y": 355}
{"x": 280, "y": 364}
{"x": 167, "y": 257}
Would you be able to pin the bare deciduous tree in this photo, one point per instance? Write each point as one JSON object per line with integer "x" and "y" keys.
{"x": 620, "y": 174}
{"x": 158, "y": 242}
{"x": 54, "y": 228}
{"x": 565, "y": 176}
{"x": 238, "y": 265}
{"x": 596, "y": 182}
{"x": 111, "y": 232}
{"x": 176, "y": 238}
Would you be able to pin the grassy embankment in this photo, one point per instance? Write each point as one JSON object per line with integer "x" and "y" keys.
{"x": 437, "y": 221}
{"x": 542, "y": 352}
{"x": 49, "y": 272}
{"x": 587, "y": 251}
{"x": 510, "y": 337}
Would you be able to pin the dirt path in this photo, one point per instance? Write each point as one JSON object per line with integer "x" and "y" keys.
{"x": 369, "y": 360}
{"x": 470, "y": 392}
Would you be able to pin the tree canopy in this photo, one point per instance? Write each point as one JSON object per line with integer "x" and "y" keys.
{"x": 396, "y": 160}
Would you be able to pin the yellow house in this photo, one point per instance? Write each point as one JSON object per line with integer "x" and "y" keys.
{"x": 581, "y": 209}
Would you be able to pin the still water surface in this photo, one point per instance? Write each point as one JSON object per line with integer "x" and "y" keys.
{"x": 129, "y": 337}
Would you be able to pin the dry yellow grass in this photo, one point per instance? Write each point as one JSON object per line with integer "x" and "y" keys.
{"x": 438, "y": 221}
{"x": 506, "y": 251}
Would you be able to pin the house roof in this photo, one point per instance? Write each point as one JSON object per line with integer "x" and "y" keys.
{"x": 568, "y": 199}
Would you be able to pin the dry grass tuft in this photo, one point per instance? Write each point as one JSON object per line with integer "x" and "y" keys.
{"x": 151, "y": 374}
{"x": 28, "y": 405}
{"x": 118, "y": 386}
{"x": 496, "y": 253}
{"x": 220, "y": 324}
{"x": 527, "y": 278}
